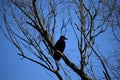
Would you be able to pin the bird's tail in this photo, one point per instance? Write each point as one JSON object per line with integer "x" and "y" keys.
{"x": 57, "y": 65}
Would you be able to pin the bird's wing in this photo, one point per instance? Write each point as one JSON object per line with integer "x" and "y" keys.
{"x": 60, "y": 45}
{"x": 57, "y": 45}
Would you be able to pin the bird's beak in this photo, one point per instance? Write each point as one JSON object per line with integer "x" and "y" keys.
{"x": 66, "y": 39}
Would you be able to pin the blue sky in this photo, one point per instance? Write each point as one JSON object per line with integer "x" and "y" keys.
{"x": 13, "y": 68}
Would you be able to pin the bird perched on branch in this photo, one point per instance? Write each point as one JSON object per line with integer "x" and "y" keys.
{"x": 60, "y": 45}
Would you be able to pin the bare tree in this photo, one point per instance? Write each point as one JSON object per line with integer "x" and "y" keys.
{"x": 31, "y": 25}
{"x": 114, "y": 23}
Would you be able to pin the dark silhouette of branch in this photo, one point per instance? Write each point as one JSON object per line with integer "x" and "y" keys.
{"x": 56, "y": 72}
{"x": 83, "y": 75}
{"x": 100, "y": 58}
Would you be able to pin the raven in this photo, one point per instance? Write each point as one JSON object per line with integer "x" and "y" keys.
{"x": 60, "y": 45}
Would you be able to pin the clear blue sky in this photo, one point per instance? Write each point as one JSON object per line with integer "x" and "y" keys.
{"x": 13, "y": 68}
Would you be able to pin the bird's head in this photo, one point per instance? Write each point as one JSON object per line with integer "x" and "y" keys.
{"x": 63, "y": 38}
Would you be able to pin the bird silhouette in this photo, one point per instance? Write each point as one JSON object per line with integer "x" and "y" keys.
{"x": 60, "y": 45}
